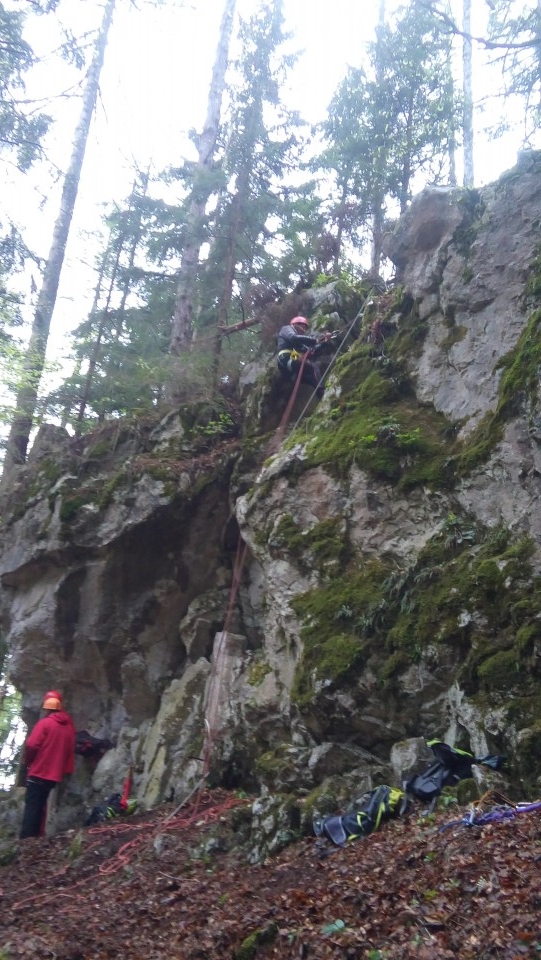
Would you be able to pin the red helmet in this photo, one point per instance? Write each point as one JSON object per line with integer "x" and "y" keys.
{"x": 300, "y": 321}
{"x": 52, "y": 700}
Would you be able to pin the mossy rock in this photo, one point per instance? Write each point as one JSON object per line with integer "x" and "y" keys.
{"x": 471, "y": 590}
{"x": 500, "y": 671}
{"x": 466, "y": 791}
{"x": 249, "y": 947}
{"x": 8, "y": 851}
{"x": 257, "y": 671}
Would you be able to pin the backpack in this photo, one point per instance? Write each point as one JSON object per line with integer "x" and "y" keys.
{"x": 374, "y": 808}
{"x": 115, "y": 806}
{"x": 451, "y": 766}
{"x": 88, "y": 746}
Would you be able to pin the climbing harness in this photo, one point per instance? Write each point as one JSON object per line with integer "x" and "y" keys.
{"x": 358, "y": 316}
{"x": 278, "y": 436}
{"x": 291, "y": 354}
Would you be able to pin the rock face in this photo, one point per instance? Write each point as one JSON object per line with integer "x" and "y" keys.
{"x": 389, "y": 585}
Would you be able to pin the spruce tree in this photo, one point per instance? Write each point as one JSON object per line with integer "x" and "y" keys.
{"x": 390, "y": 121}
{"x": 261, "y": 144}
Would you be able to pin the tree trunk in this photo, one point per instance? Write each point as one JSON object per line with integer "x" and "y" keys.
{"x": 21, "y": 424}
{"x": 378, "y": 215}
{"x": 452, "y": 133}
{"x": 406, "y": 164}
{"x": 121, "y": 239}
{"x": 340, "y": 225}
{"x": 182, "y": 321}
{"x": 467, "y": 121}
{"x": 97, "y": 343}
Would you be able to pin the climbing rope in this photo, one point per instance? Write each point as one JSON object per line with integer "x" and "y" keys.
{"x": 220, "y": 661}
{"x": 278, "y": 436}
{"x": 502, "y": 809}
{"x": 145, "y": 835}
{"x": 358, "y": 316}
{"x": 214, "y": 686}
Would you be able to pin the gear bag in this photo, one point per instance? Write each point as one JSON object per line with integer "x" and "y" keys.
{"x": 374, "y": 808}
{"x": 115, "y": 806}
{"x": 88, "y": 746}
{"x": 451, "y": 766}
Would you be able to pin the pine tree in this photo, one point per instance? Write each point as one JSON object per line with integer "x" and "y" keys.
{"x": 514, "y": 36}
{"x": 22, "y": 129}
{"x": 120, "y": 350}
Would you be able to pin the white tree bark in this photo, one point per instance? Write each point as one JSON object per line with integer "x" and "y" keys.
{"x": 182, "y": 321}
{"x": 467, "y": 90}
{"x": 21, "y": 424}
{"x": 378, "y": 213}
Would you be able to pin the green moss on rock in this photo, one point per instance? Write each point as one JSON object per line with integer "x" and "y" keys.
{"x": 471, "y": 590}
{"x": 336, "y": 618}
{"x": 497, "y": 672}
{"x": 257, "y": 672}
{"x": 324, "y": 546}
{"x": 249, "y": 947}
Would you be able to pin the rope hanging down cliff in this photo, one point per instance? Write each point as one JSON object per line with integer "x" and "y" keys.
{"x": 220, "y": 654}
{"x": 215, "y": 682}
{"x": 276, "y": 440}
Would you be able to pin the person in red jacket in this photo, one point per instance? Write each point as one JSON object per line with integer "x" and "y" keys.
{"x": 49, "y": 755}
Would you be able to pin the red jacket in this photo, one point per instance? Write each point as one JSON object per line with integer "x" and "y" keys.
{"x": 49, "y": 751}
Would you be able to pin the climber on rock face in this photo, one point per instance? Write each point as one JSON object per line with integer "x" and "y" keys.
{"x": 293, "y": 341}
{"x": 49, "y": 755}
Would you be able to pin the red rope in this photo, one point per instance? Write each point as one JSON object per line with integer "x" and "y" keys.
{"x": 220, "y": 654}
{"x": 124, "y": 854}
{"x": 219, "y": 662}
{"x": 287, "y": 412}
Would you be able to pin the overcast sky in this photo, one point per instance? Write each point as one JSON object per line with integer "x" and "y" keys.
{"x": 154, "y": 88}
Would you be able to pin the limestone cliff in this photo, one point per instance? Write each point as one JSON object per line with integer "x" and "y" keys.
{"x": 392, "y": 580}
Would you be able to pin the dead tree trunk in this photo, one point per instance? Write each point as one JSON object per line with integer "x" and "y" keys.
{"x": 467, "y": 91}
{"x": 182, "y": 321}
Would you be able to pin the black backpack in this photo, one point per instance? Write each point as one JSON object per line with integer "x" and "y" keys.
{"x": 451, "y": 766}
{"x": 376, "y": 806}
{"x": 88, "y": 746}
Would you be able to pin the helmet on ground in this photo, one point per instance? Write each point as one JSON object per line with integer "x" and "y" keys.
{"x": 52, "y": 700}
{"x": 300, "y": 321}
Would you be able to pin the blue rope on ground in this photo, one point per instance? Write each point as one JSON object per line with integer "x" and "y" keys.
{"x": 499, "y": 814}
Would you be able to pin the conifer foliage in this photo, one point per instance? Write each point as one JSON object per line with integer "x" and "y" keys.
{"x": 198, "y": 253}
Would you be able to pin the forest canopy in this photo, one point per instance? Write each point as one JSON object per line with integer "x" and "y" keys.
{"x": 262, "y": 203}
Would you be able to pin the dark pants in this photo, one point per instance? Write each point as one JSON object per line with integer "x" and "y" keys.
{"x": 35, "y": 807}
{"x": 310, "y": 373}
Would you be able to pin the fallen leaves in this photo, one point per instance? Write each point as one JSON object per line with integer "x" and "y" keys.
{"x": 408, "y": 892}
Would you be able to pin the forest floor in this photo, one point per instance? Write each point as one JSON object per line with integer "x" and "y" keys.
{"x": 169, "y": 884}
